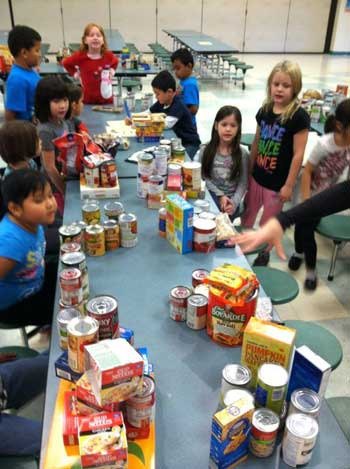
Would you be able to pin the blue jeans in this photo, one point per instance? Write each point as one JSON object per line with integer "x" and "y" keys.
{"x": 23, "y": 380}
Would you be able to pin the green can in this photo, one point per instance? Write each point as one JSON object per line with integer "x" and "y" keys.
{"x": 271, "y": 387}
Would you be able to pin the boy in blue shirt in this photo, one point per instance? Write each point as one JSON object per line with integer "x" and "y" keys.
{"x": 24, "y": 44}
{"x": 183, "y": 63}
{"x": 178, "y": 116}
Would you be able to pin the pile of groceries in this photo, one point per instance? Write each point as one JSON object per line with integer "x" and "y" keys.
{"x": 273, "y": 397}
{"x": 148, "y": 127}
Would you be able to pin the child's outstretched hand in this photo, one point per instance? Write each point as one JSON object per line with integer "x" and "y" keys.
{"x": 286, "y": 193}
{"x": 127, "y": 121}
{"x": 226, "y": 205}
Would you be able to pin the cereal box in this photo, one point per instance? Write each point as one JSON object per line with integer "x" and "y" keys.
{"x": 85, "y": 398}
{"x": 102, "y": 441}
{"x": 116, "y": 370}
{"x": 266, "y": 342}
{"x": 179, "y": 223}
{"x": 230, "y": 434}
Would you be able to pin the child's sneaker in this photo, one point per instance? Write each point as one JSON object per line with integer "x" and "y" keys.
{"x": 294, "y": 262}
{"x": 262, "y": 260}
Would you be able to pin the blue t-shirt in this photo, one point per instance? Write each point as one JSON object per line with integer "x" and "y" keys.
{"x": 190, "y": 93}
{"x": 28, "y": 250}
{"x": 20, "y": 91}
{"x": 184, "y": 127}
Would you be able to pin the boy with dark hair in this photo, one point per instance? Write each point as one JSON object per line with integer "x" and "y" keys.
{"x": 178, "y": 116}
{"x": 24, "y": 44}
{"x": 183, "y": 64}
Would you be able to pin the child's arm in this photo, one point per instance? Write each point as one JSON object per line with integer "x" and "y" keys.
{"x": 6, "y": 265}
{"x": 299, "y": 144}
{"x": 49, "y": 163}
{"x": 193, "y": 109}
{"x": 70, "y": 63}
{"x": 306, "y": 181}
{"x": 254, "y": 149}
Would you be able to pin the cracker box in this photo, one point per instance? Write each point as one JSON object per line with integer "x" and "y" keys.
{"x": 179, "y": 223}
{"x": 309, "y": 370}
{"x": 86, "y": 400}
{"x": 266, "y": 342}
{"x": 102, "y": 441}
{"x": 230, "y": 434}
{"x": 116, "y": 370}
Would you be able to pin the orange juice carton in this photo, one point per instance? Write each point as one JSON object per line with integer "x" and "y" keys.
{"x": 86, "y": 400}
{"x": 102, "y": 441}
{"x": 116, "y": 370}
{"x": 266, "y": 342}
{"x": 230, "y": 434}
{"x": 179, "y": 223}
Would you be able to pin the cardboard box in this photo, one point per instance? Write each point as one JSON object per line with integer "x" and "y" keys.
{"x": 86, "y": 400}
{"x": 63, "y": 370}
{"x": 266, "y": 342}
{"x": 70, "y": 424}
{"x": 99, "y": 192}
{"x": 179, "y": 223}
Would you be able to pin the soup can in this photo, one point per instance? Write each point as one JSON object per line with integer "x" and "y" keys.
{"x": 202, "y": 289}
{"x": 207, "y": 216}
{"x": 113, "y": 210}
{"x": 305, "y": 401}
{"x": 203, "y": 205}
{"x": 165, "y": 142}
{"x": 63, "y": 317}
{"x": 204, "y": 235}
{"x": 81, "y": 331}
{"x": 128, "y": 230}
{"x": 198, "y": 276}
{"x": 263, "y": 435}
{"x": 192, "y": 174}
{"x": 155, "y": 185}
{"x": 104, "y": 309}
{"x": 235, "y": 376}
{"x": 80, "y": 307}
{"x": 91, "y": 212}
{"x": 271, "y": 387}
{"x": 178, "y": 153}
{"x": 95, "y": 240}
{"x": 161, "y": 161}
{"x": 67, "y": 248}
{"x": 196, "y": 316}
{"x": 78, "y": 261}
{"x": 162, "y": 222}
{"x": 178, "y": 302}
{"x": 299, "y": 439}
{"x": 234, "y": 395}
{"x": 70, "y": 234}
{"x": 71, "y": 286}
{"x": 112, "y": 238}
{"x": 139, "y": 408}
{"x": 82, "y": 225}
{"x": 175, "y": 169}
{"x": 175, "y": 142}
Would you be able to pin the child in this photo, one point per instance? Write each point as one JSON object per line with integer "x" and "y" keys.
{"x": 24, "y": 44}
{"x": 178, "y": 116}
{"x": 77, "y": 106}
{"x": 19, "y": 144}
{"x": 225, "y": 162}
{"x": 88, "y": 63}
{"x": 27, "y": 291}
{"x": 278, "y": 147}
{"x": 51, "y": 108}
{"x": 327, "y": 162}
{"x": 182, "y": 61}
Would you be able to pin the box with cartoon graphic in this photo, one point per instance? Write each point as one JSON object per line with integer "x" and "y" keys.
{"x": 179, "y": 223}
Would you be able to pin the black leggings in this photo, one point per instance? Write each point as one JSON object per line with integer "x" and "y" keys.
{"x": 305, "y": 243}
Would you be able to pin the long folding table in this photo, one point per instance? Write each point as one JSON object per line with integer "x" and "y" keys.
{"x": 200, "y": 43}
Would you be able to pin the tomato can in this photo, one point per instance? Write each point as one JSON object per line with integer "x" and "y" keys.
{"x": 202, "y": 289}
{"x": 113, "y": 210}
{"x": 263, "y": 435}
{"x": 196, "y": 315}
{"x": 271, "y": 387}
{"x": 178, "y": 302}
{"x": 78, "y": 261}
{"x": 70, "y": 247}
{"x": 81, "y": 331}
{"x": 95, "y": 240}
{"x": 235, "y": 376}
{"x": 63, "y": 317}
{"x": 305, "y": 401}
{"x": 198, "y": 277}
{"x": 104, "y": 309}
{"x": 112, "y": 237}
{"x": 71, "y": 286}
{"x": 128, "y": 230}
{"x": 204, "y": 235}
{"x": 70, "y": 234}
{"x": 139, "y": 408}
{"x": 91, "y": 212}
{"x": 108, "y": 174}
{"x": 162, "y": 222}
{"x": 299, "y": 439}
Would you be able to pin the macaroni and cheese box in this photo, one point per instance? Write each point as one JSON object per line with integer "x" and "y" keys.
{"x": 70, "y": 419}
{"x": 116, "y": 370}
{"x": 230, "y": 433}
{"x": 266, "y": 342}
{"x": 179, "y": 223}
{"x": 86, "y": 400}
{"x": 102, "y": 441}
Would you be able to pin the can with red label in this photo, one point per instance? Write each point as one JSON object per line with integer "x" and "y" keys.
{"x": 108, "y": 174}
{"x": 265, "y": 424}
{"x": 70, "y": 247}
{"x": 204, "y": 235}
{"x": 104, "y": 309}
{"x": 70, "y": 234}
{"x": 197, "y": 306}
{"x": 82, "y": 225}
{"x": 178, "y": 302}
{"x": 112, "y": 237}
{"x": 198, "y": 276}
{"x": 78, "y": 261}
{"x": 139, "y": 408}
{"x": 71, "y": 286}
{"x": 81, "y": 331}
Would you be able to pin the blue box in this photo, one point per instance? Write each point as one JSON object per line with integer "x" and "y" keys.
{"x": 63, "y": 370}
{"x": 179, "y": 223}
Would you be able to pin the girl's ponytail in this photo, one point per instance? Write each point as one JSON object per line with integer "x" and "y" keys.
{"x": 330, "y": 124}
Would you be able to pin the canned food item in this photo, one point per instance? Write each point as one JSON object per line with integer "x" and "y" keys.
{"x": 299, "y": 439}
{"x": 175, "y": 169}
{"x": 112, "y": 238}
{"x": 70, "y": 247}
{"x": 271, "y": 386}
{"x": 305, "y": 401}
{"x": 92, "y": 176}
{"x": 155, "y": 185}
{"x": 202, "y": 289}
{"x": 162, "y": 222}
{"x": 78, "y": 261}
{"x": 71, "y": 286}
{"x": 234, "y": 395}
{"x": 235, "y": 376}
{"x": 178, "y": 152}
{"x": 82, "y": 225}
{"x": 113, "y": 210}
{"x": 204, "y": 235}
{"x": 203, "y": 205}
{"x": 63, "y": 317}
{"x": 95, "y": 240}
{"x": 108, "y": 174}
{"x": 80, "y": 307}
{"x": 104, "y": 309}
{"x": 207, "y": 215}
{"x": 128, "y": 230}
{"x": 196, "y": 316}
{"x": 81, "y": 331}
{"x": 91, "y": 212}
{"x": 139, "y": 408}
{"x": 178, "y": 302}
{"x": 263, "y": 435}
{"x": 165, "y": 141}
{"x": 69, "y": 234}
{"x": 161, "y": 161}
{"x": 175, "y": 142}
{"x": 198, "y": 276}
{"x": 144, "y": 172}
{"x": 192, "y": 174}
